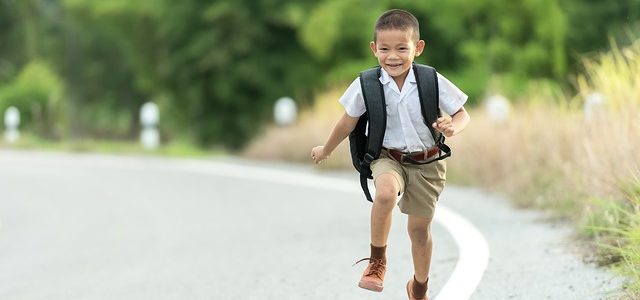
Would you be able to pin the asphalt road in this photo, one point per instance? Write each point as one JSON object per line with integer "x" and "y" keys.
{"x": 82, "y": 226}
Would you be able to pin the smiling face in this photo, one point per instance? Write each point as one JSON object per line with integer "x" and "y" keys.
{"x": 396, "y": 50}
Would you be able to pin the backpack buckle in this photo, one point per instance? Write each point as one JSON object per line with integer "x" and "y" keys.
{"x": 367, "y": 159}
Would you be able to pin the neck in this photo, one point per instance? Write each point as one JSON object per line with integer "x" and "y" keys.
{"x": 400, "y": 80}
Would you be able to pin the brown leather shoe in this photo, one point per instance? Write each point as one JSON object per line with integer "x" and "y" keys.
{"x": 416, "y": 290}
{"x": 373, "y": 275}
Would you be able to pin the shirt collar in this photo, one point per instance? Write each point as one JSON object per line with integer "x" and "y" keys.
{"x": 384, "y": 76}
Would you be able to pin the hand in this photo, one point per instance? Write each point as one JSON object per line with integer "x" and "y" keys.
{"x": 445, "y": 126}
{"x": 318, "y": 154}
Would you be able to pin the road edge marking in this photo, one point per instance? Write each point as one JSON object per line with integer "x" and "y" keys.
{"x": 473, "y": 255}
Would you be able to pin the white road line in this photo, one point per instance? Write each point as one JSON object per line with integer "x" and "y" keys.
{"x": 473, "y": 247}
{"x": 474, "y": 255}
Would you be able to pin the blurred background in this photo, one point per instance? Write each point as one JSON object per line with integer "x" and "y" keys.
{"x": 554, "y": 90}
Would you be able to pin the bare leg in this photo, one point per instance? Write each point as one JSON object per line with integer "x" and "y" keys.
{"x": 421, "y": 246}
{"x": 387, "y": 189}
{"x": 384, "y": 201}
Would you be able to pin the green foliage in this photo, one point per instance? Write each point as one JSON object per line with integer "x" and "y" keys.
{"x": 504, "y": 37}
{"x": 232, "y": 62}
{"x": 36, "y": 93}
{"x": 219, "y": 66}
{"x": 592, "y": 23}
{"x": 474, "y": 40}
{"x": 336, "y": 30}
{"x": 216, "y": 67}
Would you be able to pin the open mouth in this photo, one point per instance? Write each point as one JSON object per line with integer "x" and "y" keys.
{"x": 393, "y": 66}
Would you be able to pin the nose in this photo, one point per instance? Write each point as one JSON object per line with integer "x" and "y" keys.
{"x": 393, "y": 54}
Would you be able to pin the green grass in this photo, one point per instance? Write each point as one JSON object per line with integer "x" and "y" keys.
{"x": 615, "y": 226}
{"x": 174, "y": 149}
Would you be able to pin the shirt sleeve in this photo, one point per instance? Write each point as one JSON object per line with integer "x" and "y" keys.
{"x": 352, "y": 99}
{"x": 451, "y": 97}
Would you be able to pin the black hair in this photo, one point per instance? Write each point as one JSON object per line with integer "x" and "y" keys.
{"x": 397, "y": 19}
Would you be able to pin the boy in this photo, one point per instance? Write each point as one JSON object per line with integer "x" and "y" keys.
{"x": 396, "y": 43}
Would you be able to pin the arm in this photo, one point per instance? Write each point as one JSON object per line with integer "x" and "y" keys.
{"x": 455, "y": 125}
{"x": 343, "y": 128}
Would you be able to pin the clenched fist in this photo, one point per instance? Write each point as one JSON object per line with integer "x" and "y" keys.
{"x": 445, "y": 126}
{"x": 318, "y": 154}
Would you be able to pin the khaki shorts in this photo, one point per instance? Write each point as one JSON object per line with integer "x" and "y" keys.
{"x": 420, "y": 185}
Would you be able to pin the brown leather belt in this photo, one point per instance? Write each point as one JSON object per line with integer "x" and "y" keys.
{"x": 418, "y": 156}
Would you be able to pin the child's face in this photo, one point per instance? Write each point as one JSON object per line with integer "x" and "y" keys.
{"x": 396, "y": 50}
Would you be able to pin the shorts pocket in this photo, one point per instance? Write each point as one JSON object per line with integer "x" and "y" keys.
{"x": 435, "y": 171}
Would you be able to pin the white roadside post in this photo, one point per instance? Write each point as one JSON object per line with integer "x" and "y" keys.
{"x": 149, "y": 117}
{"x": 285, "y": 111}
{"x": 595, "y": 104}
{"x": 497, "y": 107}
{"x": 11, "y": 123}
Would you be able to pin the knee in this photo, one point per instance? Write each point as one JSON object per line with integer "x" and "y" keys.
{"x": 420, "y": 235}
{"x": 386, "y": 196}
{"x": 387, "y": 189}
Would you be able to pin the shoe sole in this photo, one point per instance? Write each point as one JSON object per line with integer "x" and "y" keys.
{"x": 371, "y": 286}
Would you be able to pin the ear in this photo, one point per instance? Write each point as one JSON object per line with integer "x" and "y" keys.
{"x": 372, "y": 45}
{"x": 420, "y": 47}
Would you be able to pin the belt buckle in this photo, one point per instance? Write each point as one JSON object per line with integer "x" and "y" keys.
{"x": 402, "y": 155}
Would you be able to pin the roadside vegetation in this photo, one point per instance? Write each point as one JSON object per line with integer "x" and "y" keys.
{"x": 551, "y": 155}
{"x": 81, "y": 69}
{"x": 547, "y": 155}
{"x": 175, "y": 148}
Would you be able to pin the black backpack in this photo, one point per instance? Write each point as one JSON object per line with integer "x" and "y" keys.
{"x": 365, "y": 149}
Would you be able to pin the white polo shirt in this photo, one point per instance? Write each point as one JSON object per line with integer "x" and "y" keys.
{"x": 406, "y": 128}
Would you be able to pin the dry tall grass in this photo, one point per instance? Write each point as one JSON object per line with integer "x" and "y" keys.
{"x": 548, "y": 142}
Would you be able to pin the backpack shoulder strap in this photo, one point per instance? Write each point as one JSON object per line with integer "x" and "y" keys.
{"x": 374, "y": 102}
{"x": 376, "y": 110}
{"x": 427, "y": 80}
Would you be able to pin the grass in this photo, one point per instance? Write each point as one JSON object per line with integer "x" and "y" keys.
{"x": 174, "y": 149}
{"x": 547, "y": 155}
{"x": 615, "y": 229}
